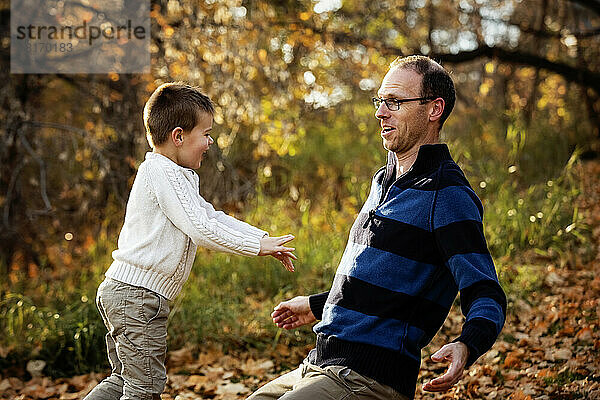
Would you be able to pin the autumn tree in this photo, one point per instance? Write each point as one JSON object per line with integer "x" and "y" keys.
{"x": 292, "y": 83}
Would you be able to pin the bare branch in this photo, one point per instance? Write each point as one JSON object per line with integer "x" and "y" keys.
{"x": 9, "y": 193}
{"x": 572, "y": 74}
{"x": 81, "y": 132}
{"x": 42, "y": 165}
{"x": 104, "y": 159}
{"x": 593, "y": 5}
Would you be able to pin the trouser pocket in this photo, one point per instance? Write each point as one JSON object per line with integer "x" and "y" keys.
{"x": 153, "y": 306}
{"x": 355, "y": 382}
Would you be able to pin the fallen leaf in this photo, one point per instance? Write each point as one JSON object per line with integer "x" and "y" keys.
{"x": 257, "y": 367}
{"x": 561, "y": 354}
{"x": 178, "y": 358}
{"x": 207, "y": 358}
{"x": 512, "y": 360}
{"x": 5, "y": 350}
{"x": 70, "y": 396}
{"x": 519, "y": 395}
{"x": 584, "y": 334}
{"x": 232, "y": 388}
{"x": 35, "y": 367}
{"x": 194, "y": 380}
{"x": 177, "y": 382}
{"x": 545, "y": 373}
{"x": 16, "y": 383}
{"x": 553, "y": 279}
{"x": 5, "y": 385}
{"x": 79, "y": 382}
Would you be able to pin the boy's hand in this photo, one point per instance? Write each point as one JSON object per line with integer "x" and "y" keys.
{"x": 293, "y": 313}
{"x": 274, "y": 246}
{"x": 286, "y": 259}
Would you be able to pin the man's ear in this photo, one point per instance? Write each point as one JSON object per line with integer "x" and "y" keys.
{"x": 437, "y": 109}
{"x": 177, "y": 136}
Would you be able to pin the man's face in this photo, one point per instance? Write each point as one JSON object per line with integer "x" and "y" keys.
{"x": 402, "y": 130}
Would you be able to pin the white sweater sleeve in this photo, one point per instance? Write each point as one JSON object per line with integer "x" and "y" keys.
{"x": 241, "y": 226}
{"x": 188, "y": 211}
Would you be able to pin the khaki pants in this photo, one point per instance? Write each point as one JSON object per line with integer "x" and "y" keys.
{"x": 136, "y": 319}
{"x": 309, "y": 382}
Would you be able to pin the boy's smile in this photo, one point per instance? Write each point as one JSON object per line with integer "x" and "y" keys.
{"x": 195, "y": 142}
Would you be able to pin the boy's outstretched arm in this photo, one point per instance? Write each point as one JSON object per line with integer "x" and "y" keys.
{"x": 274, "y": 246}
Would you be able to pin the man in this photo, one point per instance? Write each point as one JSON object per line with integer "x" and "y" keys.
{"x": 417, "y": 241}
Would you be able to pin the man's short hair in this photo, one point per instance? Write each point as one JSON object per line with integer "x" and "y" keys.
{"x": 436, "y": 80}
{"x": 173, "y": 105}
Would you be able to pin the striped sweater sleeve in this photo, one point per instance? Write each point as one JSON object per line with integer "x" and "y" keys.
{"x": 458, "y": 231}
{"x": 185, "y": 208}
{"x": 317, "y": 304}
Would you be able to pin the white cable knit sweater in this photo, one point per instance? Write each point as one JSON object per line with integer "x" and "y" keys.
{"x": 165, "y": 220}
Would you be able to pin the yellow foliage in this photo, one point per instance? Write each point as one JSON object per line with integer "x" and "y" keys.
{"x": 542, "y": 102}
{"x": 262, "y": 56}
{"x": 484, "y": 89}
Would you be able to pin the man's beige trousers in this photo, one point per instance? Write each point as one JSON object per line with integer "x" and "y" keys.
{"x": 309, "y": 382}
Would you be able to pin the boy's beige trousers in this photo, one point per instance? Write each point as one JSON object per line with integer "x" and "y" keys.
{"x": 136, "y": 319}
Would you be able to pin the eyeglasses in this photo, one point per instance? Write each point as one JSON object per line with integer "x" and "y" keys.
{"x": 394, "y": 104}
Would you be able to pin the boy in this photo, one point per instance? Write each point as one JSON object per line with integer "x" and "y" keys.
{"x": 166, "y": 219}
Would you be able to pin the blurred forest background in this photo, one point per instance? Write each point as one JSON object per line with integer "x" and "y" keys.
{"x": 296, "y": 146}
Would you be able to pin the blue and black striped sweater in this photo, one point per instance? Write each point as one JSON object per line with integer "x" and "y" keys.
{"x": 416, "y": 243}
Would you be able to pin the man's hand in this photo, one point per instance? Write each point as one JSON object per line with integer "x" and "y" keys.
{"x": 293, "y": 313}
{"x": 274, "y": 246}
{"x": 457, "y": 353}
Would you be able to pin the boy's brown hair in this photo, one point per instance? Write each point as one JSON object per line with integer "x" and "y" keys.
{"x": 173, "y": 105}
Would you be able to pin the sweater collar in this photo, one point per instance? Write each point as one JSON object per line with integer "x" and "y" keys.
{"x": 150, "y": 155}
{"x": 158, "y": 156}
{"x": 429, "y": 158}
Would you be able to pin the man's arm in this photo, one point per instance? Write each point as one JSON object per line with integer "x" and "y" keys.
{"x": 300, "y": 310}
{"x": 317, "y": 303}
{"x": 484, "y": 305}
{"x": 478, "y": 333}
{"x": 458, "y": 231}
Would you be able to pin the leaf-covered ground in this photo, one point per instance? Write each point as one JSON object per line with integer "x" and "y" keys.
{"x": 549, "y": 348}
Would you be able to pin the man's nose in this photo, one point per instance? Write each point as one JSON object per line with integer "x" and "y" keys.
{"x": 382, "y": 111}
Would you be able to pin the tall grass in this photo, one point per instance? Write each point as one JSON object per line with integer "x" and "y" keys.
{"x": 69, "y": 338}
{"x": 529, "y": 206}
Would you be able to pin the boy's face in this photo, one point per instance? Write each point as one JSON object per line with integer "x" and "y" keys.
{"x": 196, "y": 142}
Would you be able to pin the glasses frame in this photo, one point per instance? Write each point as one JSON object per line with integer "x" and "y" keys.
{"x": 397, "y": 102}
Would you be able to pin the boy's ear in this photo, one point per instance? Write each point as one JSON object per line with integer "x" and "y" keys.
{"x": 177, "y": 136}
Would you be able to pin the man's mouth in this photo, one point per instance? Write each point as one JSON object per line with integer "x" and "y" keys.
{"x": 386, "y": 130}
